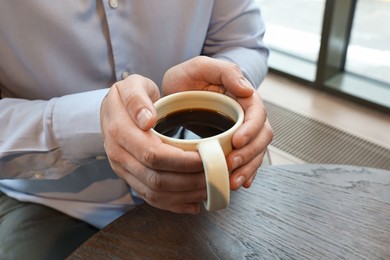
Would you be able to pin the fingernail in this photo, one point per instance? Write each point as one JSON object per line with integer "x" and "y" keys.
{"x": 245, "y": 83}
{"x": 248, "y": 183}
{"x": 192, "y": 209}
{"x": 240, "y": 181}
{"x": 144, "y": 117}
{"x": 236, "y": 162}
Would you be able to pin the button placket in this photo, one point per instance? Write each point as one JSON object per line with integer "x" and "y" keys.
{"x": 119, "y": 50}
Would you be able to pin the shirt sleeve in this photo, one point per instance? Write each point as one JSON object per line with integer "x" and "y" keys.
{"x": 236, "y": 34}
{"x": 49, "y": 139}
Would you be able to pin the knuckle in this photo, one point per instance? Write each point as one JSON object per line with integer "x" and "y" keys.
{"x": 133, "y": 99}
{"x": 235, "y": 67}
{"x": 200, "y": 185}
{"x": 150, "y": 157}
{"x": 201, "y": 59}
{"x": 155, "y": 182}
{"x": 114, "y": 156}
{"x": 114, "y": 129}
{"x": 152, "y": 198}
{"x": 112, "y": 153}
{"x": 134, "y": 78}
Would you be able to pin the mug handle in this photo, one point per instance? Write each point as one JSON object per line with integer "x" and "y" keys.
{"x": 217, "y": 175}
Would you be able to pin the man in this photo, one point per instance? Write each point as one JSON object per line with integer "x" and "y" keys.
{"x": 78, "y": 82}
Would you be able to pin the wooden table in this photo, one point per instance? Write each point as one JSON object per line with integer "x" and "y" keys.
{"x": 290, "y": 212}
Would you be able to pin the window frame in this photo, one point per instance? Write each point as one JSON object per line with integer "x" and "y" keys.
{"x": 328, "y": 73}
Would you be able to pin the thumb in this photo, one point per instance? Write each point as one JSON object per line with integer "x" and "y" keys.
{"x": 145, "y": 119}
{"x": 138, "y": 94}
{"x": 229, "y": 75}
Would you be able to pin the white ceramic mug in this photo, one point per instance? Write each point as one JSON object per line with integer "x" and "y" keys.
{"x": 211, "y": 149}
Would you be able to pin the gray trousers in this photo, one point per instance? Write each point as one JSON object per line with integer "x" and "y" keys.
{"x": 32, "y": 231}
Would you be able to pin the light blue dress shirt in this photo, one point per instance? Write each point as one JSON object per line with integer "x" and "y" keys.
{"x": 57, "y": 61}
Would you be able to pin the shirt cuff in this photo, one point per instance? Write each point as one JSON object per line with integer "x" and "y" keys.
{"x": 76, "y": 125}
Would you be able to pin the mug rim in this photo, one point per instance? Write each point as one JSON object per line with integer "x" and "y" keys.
{"x": 237, "y": 107}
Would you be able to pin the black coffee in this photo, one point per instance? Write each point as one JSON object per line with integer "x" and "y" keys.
{"x": 194, "y": 124}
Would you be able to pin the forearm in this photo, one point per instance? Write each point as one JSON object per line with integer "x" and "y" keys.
{"x": 48, "y": 139}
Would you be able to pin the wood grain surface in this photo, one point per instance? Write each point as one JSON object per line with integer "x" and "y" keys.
{"x": 290, "y": 212}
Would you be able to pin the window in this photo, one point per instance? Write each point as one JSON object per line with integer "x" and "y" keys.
{"x": 340, "y": 46}
{"x": 293, "y": 34}
{"x": 369, "y": 49}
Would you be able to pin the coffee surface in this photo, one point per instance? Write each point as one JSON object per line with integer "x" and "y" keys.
{"x": 194, "y": 124}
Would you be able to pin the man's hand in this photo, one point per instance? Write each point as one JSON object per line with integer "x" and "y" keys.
{"x": 252, "y": 138}
{"x": 164, "y": 176}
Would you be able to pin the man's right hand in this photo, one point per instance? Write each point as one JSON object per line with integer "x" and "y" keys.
{"x": 166, "y": 177}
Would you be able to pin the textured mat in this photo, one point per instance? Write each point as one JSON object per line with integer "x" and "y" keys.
{"x": 316, "y": 142}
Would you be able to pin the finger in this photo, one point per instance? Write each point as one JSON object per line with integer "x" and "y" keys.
{"x": 164, "y": 181}
{"x": 143, "y": 145}
{"x": 242, "y": 156}
{"x": 138, "y": 93}
{"x": 245, "y": 161}
{"x": 173, "y": 182}
{"x": 122, "y": 161}
{"x": 249, "y": 182}
{"x": 179, "y": 202}
{"x": 167, "y": 201}
{"x": 255, "y": 117}
{"x": 239, "y": 157}
{"x": 211, "y": 74}
{"x": 246, "y": 173}
{"x": 227, "y": 74}
{"x": 153, "y": 153}
{"x": 190, "y": 208}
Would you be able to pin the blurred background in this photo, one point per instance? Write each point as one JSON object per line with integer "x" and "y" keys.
{"x": 357, "y": 31}
{"x": 329, "y": 80}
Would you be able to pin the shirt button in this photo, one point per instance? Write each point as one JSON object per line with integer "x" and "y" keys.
{"x": 124, "y": 74}
{"x": 113, "y": 3}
